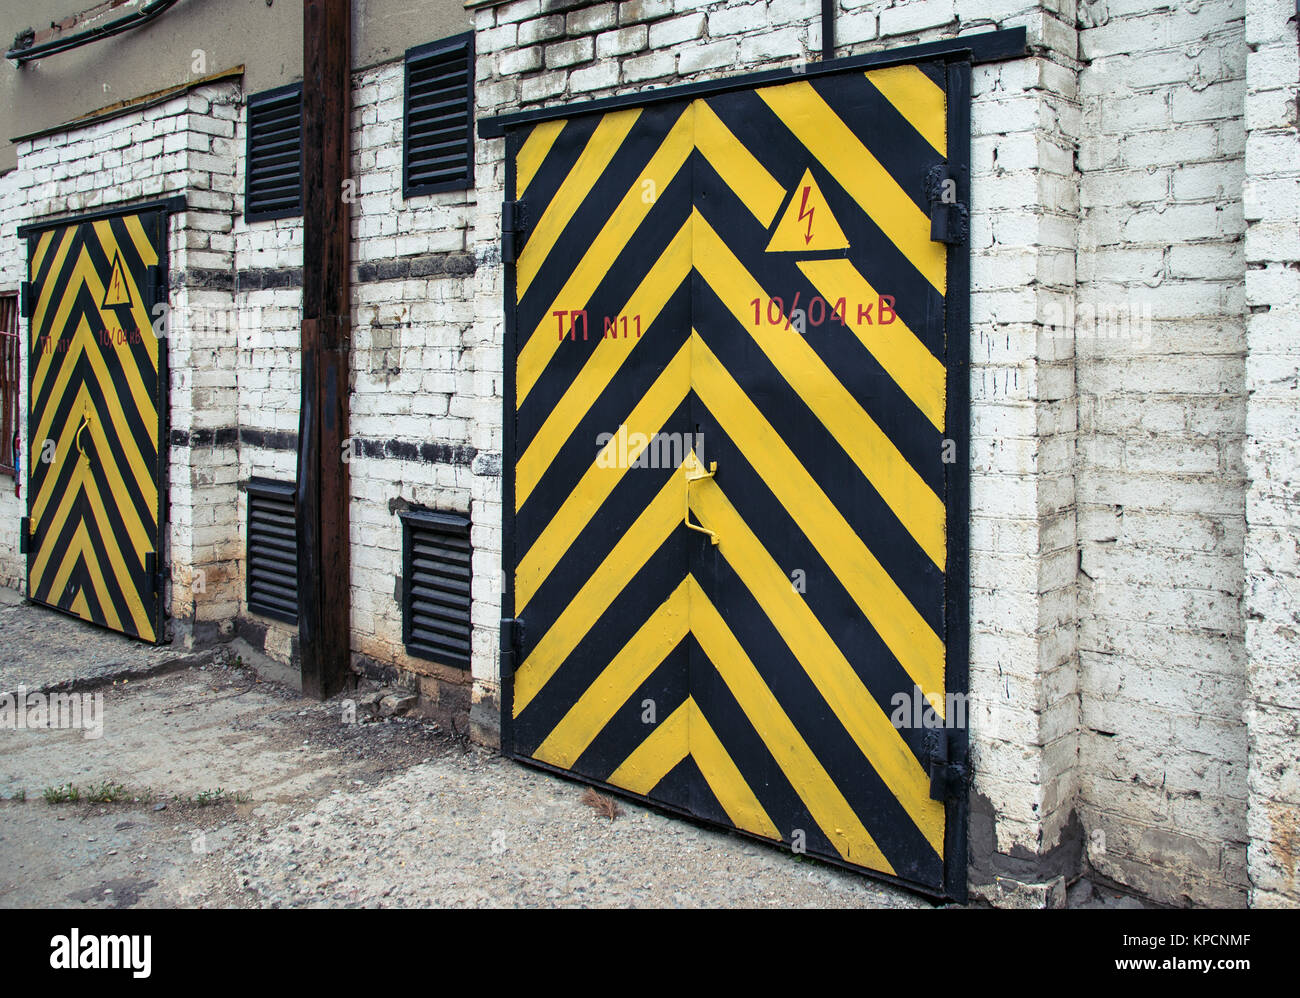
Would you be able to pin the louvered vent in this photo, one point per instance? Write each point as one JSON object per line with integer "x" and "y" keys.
{"x": 438, "y": 134}
{"x": 436, "y": 558}
{"x": 273, "y": 550}
{"x": 274, "y": 163}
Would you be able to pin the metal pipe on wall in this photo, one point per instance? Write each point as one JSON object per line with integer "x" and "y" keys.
{"x": 23, "y": 53}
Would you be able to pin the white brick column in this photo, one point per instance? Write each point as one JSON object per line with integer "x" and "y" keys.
{"x": 203, "y": 467}
{"x": 1272, "y": 546}
{"x": 1025, "y": 836}
{"x": 494, "y": 95}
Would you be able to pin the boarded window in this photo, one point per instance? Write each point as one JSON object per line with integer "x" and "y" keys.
{"x": 438, "y": 133}
{"x": 273, "y": 187}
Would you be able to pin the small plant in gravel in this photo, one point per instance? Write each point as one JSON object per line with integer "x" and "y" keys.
{"x": 206, "y": 798}
{"x": 106, "y": 792}
{"x": 63, "y": 794}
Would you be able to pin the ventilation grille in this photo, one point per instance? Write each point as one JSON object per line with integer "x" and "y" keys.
{"x": 274, "y": 163}
{"x": 436, "y": 557}
{"x": 273, "y": 550}
{"x": 438, "y": 137}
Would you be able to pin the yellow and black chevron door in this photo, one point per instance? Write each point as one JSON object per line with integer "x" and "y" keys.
{"x": 730, "y": 543}
{"x": 96, "y": 395}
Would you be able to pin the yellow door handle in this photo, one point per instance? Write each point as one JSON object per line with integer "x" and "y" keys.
{"x": 713, "y": 470}
{"x": 85, "y": 421}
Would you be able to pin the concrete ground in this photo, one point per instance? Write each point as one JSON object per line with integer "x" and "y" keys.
{"x": 220, "y": 788}
{"x": 215, "y": 785}
{"x": 45, "y": 650}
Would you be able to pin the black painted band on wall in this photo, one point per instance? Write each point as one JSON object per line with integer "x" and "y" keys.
{"x": 266, "y": 278}
{"x": 270, "y": 278}
{"x": 458, "y": 455}
{"x": 221, "y": 436}
{"x": 425, "y": 265}
{"x": 228, "y": 436}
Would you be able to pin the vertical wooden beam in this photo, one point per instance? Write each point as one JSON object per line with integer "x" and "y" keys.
{"x": 323, "y": 581}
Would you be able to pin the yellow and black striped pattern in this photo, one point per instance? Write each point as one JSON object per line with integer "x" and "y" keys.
{"x": 750, "y": 681}
{"x": 95, "y": 399}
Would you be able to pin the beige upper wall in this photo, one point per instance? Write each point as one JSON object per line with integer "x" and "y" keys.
{"x": 265, "y": 37}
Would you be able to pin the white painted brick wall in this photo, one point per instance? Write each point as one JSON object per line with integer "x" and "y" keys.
{"x": 1160, "y": 475}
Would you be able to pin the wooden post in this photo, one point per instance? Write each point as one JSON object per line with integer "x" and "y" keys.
{"x": 323, "y": 581}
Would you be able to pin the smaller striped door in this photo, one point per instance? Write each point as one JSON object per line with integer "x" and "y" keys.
{"x": 96, "y": 398}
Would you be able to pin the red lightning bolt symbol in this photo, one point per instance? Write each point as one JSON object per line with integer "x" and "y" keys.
{"x": 806, "y": 212}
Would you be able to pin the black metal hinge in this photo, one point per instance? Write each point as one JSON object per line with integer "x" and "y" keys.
{"x": 25, "y": 299}
{"x": 949, "y": 218}
{"x": 947, "y": 771}
{"x": 24, "y": 532}
{"x": 514, "y": 222}
{"x": 510, "y": 632}
{"x": 151, "y": 571}
{"x": 154, "y": 276}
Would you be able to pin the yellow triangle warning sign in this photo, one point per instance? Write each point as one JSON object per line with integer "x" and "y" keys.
{"x": 117, "y": 292}
{"x": 807, "y": 223}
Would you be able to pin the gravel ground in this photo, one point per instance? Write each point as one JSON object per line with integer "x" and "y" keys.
{"x": 235, "y": 792}
{"x": 472, "y": 829}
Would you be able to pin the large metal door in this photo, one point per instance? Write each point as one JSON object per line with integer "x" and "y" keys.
{"x": 96, "y": 409}
{"x": 732, "y": 469}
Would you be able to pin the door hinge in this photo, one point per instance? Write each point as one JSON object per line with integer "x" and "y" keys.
{"x": 24, "y": 532}
{"x": 511, "y": 630}
{"x": 514, "y": 222}
{"x": 945, "y": 762}
{"x": 25, "y": 299}
{"x": 151, "y": 571}
{"x": 949, "y": 218}
{"x": 154, "y": 277}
